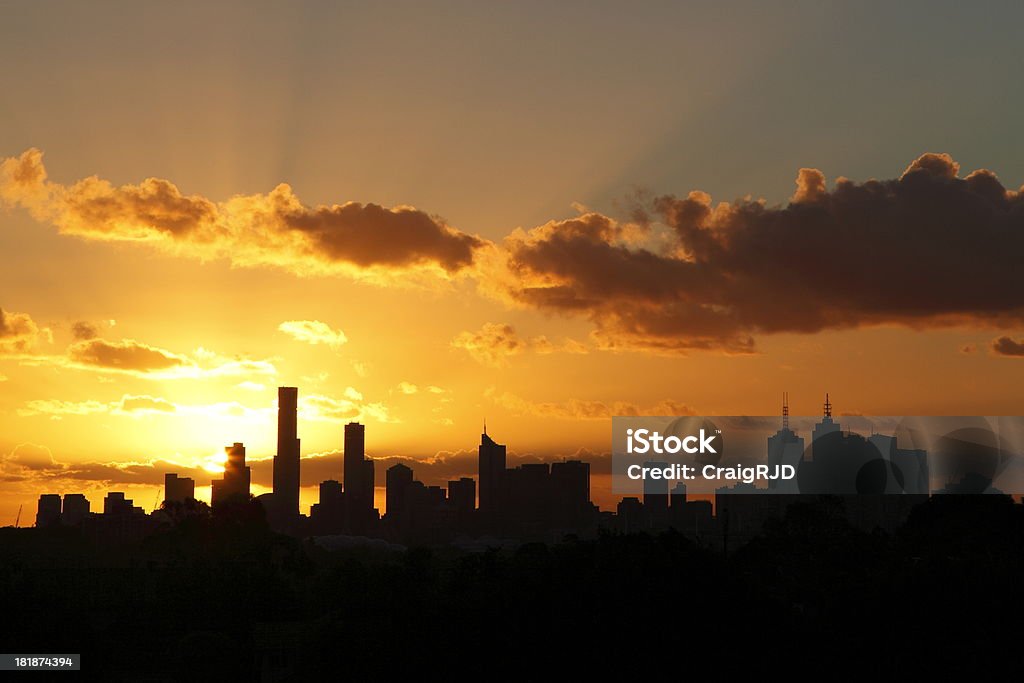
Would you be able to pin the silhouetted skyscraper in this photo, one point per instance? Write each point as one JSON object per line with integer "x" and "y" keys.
{"x": 570, "y": 492}
{"x": 398, "y": 479}
{"x": 115, "y": 503}
{"x": 355, "y": 447}
{"x": 75, "y": 510}
{"x": 462, "y": 495}
{"x": 48, "y": 511}
{"x": 328, "y": 516}
{"x": 359, "y": 477}
{"x": 492, "y": 473}
{"x": 656, "y": 497}
{"x": 236, "y": 477}
{"x": 786, "y": 448}
{"x": 178, "y": 489}
{"x": 826, "y": 426}
{"x": 286, "y": 461}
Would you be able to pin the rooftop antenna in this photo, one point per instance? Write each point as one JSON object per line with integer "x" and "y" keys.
{"x": 485, "y": 426}
{"x": 828, "y": 407}
{"x": 785, "y": 410}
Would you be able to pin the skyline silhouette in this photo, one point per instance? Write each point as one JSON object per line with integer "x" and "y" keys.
{"x": 545, "y": 501}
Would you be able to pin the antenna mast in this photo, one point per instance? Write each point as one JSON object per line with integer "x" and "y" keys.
{"x": 785, "y": 410}
{"x": 828, "y": 406}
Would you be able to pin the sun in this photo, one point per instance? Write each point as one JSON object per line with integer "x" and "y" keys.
{"x": 214, "y": 463}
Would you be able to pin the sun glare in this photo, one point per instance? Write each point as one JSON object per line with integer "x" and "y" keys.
{"x": 214, "y": 463}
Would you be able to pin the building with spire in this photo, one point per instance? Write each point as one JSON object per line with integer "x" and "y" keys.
{"x": 786, "y": 448}
{"x": 826, "y": 426}
{"x": 491, "y": 461}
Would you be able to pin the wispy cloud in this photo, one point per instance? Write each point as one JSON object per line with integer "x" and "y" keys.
{"x": 313, "y": 332}
{"x": 494, "y": 343}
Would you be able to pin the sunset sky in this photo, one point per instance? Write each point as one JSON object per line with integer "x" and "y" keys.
{"x": 427, "y": 215}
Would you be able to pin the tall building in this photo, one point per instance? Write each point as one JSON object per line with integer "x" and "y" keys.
{"x": 75, "y": 510}
{"x": 656, "y": 497}
{"x": 462, "y": 495}
{"x": 116, "y": 504}
{"x": 492, "y": 473}
{"x": 398, "y": 480}
{"x": 825, "y": 427}
{"x": 355, "y": 450}
{"x": 786, "y": 448}
{"x": 237, "y": 475}
{"x": 178, "y": 489}
{"x": 48, "y": 511}
{"x": 359, "y": 477}
{"x": 286, "y": 461}
{"x": 570, "y": 492}
{"x": 328, "y": 516}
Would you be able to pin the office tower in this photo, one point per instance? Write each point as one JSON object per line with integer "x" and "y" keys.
{"x": 368, "y": 483}
{"x": 178, "y": 489}
{"x": 116, "y": 504}
{"x": 462, "y": 495}
{"x": 48, "y": 511}
{"x": 235, "y": 483}
{"x": 570, "y": 484}
{"x": 630, "y": 512}
{"x": 75, "y": 510}
{"x": 328, "y": 515}
{"x": 786, "y": 448}
{"x": 656, "y": 497}
{"x": 492, "y": 473}
{"x": 359, "y": 479}
{"x": 355, "y": 449}
{"x": 677, "y": 496}
{"x": 398, "y": 479}
{"x": 286, "y": 461}
{"x": 825, "y": 427}
{"x": 331, "y": 494}
{"x": 908, "y": 468}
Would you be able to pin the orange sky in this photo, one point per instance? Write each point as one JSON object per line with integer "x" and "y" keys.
{"x": 424, "y": 231}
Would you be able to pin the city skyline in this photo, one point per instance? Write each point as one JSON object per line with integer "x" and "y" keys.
{"x": 425, "y": 223}
{"x": 353, "y": 501}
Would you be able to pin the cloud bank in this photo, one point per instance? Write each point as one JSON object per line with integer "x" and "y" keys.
{"x": 926, "y": 249}
{"x": 273, "y": 229}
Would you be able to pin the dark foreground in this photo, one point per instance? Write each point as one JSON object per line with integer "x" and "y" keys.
{"x": 223, "y": 598}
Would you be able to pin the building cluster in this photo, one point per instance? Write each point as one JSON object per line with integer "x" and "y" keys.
{"x": 536, "y": 499}
{"x": 530, "y": 501}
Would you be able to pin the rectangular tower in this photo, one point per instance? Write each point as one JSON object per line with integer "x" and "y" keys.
{"x": 355, "y": 470}
{"x": 286, "y": 462}
{"x": 492, "y": 473}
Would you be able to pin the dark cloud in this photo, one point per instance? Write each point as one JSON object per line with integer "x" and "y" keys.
{"x": 926, "y": 249}
{"x": 83, "y": 331}
{"x": 371, "y": 235}
{"x": 126, "y": 355}
{"x": 1006, "y": 346}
